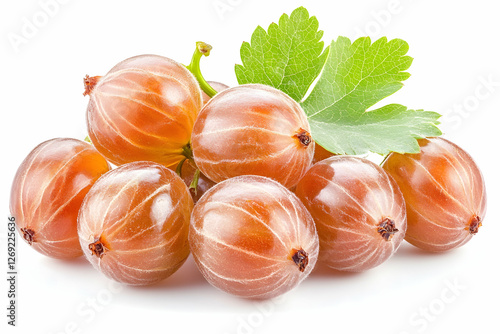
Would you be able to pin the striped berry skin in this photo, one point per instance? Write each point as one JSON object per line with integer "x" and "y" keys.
{"x": 134, "y": 222}
{"x": 48, "y": 190}
{"x": 252, "y": 237}
{"x": 358, "y": 210}
{"x": 444, "y": 191}
{"x": 253, "y": 130}
{"x": 143, "y": 109}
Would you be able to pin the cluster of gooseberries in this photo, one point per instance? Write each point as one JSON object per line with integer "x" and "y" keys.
{"x": 235, "y": 178}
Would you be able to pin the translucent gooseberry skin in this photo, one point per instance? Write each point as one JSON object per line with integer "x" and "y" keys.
{"x": 48, "y": 190}
{"x": 444, "y": 191}
{"x": 252, "y": 129}
{"x": 358, "y": 210}
{"x": 252, "y": 237}
{"x": 218, "y": 86}
{"x": 134, "y": 222}
{"x": 143, "y": 109}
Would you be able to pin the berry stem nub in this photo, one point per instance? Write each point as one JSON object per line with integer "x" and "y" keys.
{"x": 28, "y": 235}
{"x": 89, "y": 83}
{"x": 474, "y": 225}
{"x": 300, "y": 258}
{"x": 304, "y": 137}
{"x": 387, "y": 228}
{"x": 97, "y": 248}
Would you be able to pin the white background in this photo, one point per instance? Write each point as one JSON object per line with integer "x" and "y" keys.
{"x": 456, "y": 49}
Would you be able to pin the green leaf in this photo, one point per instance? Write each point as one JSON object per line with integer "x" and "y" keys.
{"x": 289, "y": 56}
{"x": 392, "y": 128}
{"x": 355, "y": 77}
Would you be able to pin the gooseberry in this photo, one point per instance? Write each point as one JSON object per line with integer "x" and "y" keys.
{"x": 133, "y": 224}
{"x": 143, "y": 109}
{"x": 252, "y": 129}
{"x": 47, "y": 193}
{"x": 321, "y": 153}
{"x": 252, "y": 237}
{"x": 444, "y": 191}
{"x": 358, "y": 210}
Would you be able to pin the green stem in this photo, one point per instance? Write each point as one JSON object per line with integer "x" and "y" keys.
{"x": 383, "y": 160}
{"x": 202, "y": 49}
{"x": 187, "y": 151}
{"x": 194, "y": 183}
{"x": 178, "y": 170}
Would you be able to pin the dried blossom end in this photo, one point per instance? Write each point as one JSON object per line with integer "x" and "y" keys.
{"x": 387, "y": 229}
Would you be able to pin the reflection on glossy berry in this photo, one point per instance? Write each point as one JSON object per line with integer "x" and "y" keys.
{"x": 253, "y": 130}
{"x": 47, "y": 193}
{"x": 133, "y": 225}
{"x": 252, "y": 237}
{"x": 143, "y": 109}
{"x": 358, "y": 209}
{"x": 444, "y": 192}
